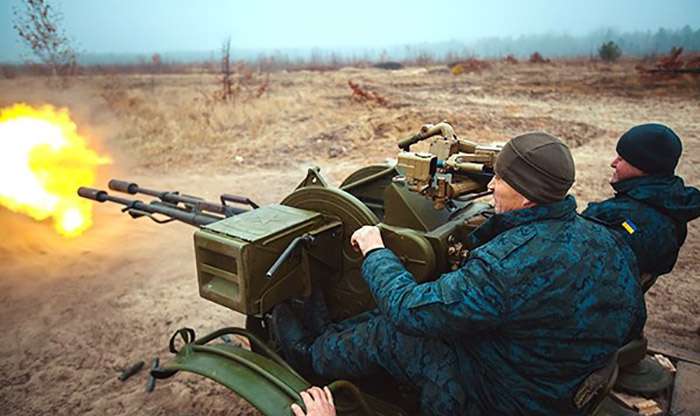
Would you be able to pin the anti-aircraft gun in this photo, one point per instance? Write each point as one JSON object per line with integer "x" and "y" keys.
{"x": 251, "y": 258}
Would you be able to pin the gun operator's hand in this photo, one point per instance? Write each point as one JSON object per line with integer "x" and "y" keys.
{"x": 317, "y": 402}
{"x": 366, "y": 239}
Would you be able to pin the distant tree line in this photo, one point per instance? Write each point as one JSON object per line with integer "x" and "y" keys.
{"x": 560, "y": 45}
{"x": 639, "y": 44}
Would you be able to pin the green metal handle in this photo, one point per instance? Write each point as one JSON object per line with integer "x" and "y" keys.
{"x": 254, "y": 341}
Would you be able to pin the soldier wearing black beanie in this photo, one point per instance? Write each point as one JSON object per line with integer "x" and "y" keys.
{"x": 651, "y": 206}
{"x": 652, "y": 148}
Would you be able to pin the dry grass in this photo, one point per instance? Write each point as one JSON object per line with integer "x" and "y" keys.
{"x": 281, "y": 113}
{"x": 176, "y": 121}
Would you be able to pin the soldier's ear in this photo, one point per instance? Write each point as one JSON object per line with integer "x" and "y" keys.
{"x": 526, "y": 203}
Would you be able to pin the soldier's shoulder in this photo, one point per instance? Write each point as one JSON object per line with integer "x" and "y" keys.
{"x": 616, "y": 206}
{"x": 507, "y": 242}
{"x": 601, "y": 239}
{"x": 588, "y": 226}
{"x": 626, "y": 215}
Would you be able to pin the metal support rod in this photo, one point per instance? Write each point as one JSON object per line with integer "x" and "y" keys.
{"x": 370, "y": 178}
{"x": 291, "y": 248}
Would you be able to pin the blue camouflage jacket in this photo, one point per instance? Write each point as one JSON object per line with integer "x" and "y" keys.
{"x": 544, "y": 299}
{"x": 651, "y": 214}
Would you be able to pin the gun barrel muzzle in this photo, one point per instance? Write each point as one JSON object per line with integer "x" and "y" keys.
{"x": 92, "y": 193}
{"x": 123, "y": 186}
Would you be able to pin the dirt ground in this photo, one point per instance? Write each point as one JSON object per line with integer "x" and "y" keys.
{"x": 74, "y": 312}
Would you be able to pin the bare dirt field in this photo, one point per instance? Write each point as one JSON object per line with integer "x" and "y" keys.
{"x": 74, "y": 312}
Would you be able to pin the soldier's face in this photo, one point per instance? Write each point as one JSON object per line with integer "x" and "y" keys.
{"x": 505, "y": 198}
{"x": 622, "y": 170}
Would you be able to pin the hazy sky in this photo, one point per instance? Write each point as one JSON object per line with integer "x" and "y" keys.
{"x": 148, "y": 26}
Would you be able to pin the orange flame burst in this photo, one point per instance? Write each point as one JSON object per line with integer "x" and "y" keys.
{"x": 43, "y": 161}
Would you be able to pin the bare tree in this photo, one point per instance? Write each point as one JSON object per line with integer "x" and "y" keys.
{"x": 156, "y": 63}
{"x": 226, "y": 72}
{"x": 39, "y": 26}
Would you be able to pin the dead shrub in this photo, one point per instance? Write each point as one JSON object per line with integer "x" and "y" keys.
{"x": 365, "y": 95}
{"x": 468, "y": 65}
{"x": 264, "y": 86}
{"x": 537, "y": 58}
{"x": 672, "y": 66}
{"x": 8, "y": 71}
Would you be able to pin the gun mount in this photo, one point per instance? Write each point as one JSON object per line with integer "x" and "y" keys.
{"x": 251, "y": 258}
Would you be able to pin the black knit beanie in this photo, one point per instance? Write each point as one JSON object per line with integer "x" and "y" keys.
{"x": 538, "y": 166}
{"x": 652, "y": 148}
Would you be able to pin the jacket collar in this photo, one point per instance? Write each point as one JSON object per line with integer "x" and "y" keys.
{"x": 499, "y": 223}
{"x": 648, "y": 182}
{"x": 666, "y": 193}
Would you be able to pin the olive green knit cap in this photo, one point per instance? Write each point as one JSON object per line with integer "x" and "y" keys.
{"x": 537, "y": 165}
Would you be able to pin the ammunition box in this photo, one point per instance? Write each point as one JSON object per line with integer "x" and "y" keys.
{"x": 234, "y": 254}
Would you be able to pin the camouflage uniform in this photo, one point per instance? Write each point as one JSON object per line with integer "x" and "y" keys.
{"x": 650, "y": 213}
{"x": 545, "y": 298}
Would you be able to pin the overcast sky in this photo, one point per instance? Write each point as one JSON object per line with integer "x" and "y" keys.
{"x": 148, "y": 26}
